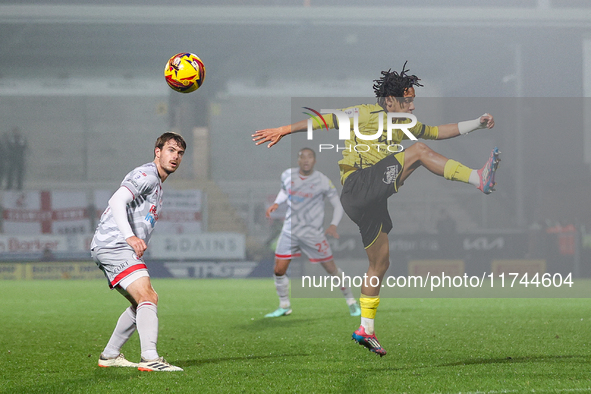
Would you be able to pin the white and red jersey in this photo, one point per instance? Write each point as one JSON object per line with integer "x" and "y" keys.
{"x": 305, "y": 201}
{"x": 145, "y": 185}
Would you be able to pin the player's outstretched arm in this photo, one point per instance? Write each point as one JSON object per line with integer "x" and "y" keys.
{"x": 455, "y": 129}
{"x": 273, "y": 136}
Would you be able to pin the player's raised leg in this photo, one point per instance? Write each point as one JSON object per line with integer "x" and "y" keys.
{"x": 483, "y": 179}
{"x": 282, "y": 286}
{"x": 420, "y": 154}
{"x": 334, "y": 270}
{"x": 486, "y": 175}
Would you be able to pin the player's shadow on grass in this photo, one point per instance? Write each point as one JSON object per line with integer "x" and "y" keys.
{"x": 509, "y": 360}
{"x": 359, "y": 384}
{"x": 484, "y": 361}
{"x": 192, "y": 363}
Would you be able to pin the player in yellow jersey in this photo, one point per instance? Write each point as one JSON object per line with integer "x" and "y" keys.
{"x": 374, "y": 172}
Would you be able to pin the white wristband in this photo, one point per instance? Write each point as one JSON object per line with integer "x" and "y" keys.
{"x": 468, "y": 126}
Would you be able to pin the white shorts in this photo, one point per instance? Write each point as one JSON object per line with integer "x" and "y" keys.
{"x": 315, "y": 246}
{"x": 121, "y": 266}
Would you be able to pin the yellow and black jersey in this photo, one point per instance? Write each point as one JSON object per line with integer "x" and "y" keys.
{"x": 360, "y": 153}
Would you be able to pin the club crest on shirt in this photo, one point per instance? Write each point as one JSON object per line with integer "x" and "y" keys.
{"x": 351, "y": 112}
{"x": 390, "y": 175}
{"x": 139, "y": 175}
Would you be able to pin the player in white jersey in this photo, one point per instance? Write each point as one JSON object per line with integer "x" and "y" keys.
{"x": 118, "y": 245}
{"x": 304, "y": 190}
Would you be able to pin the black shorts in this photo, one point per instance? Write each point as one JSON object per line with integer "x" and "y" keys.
{"x": 365, "y": 196}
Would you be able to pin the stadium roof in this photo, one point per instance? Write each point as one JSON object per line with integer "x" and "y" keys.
{"x": 323, "y": 15}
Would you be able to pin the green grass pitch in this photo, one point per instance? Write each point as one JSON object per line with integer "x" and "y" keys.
{"x": 52, "y": 332}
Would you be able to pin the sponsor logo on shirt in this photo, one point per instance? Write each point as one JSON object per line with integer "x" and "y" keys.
{"x": 152, "y": 216}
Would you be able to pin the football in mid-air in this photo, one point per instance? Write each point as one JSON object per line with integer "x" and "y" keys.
{"x": 184, "y": 72}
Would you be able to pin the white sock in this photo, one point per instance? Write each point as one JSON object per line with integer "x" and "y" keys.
{"x": 123, "y": 331}
{"x": 474, "y": 178}
{"x": 282, "y": 286}
{"x": 347, "y": 293}
{"x": 367, "y": 323}
{"x": 147, "y": 328}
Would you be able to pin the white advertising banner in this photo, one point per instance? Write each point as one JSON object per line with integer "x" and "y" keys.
{"x": 45, "y": 212}
{"x": 181, "y": 212}
{"x": 198, "y": 246}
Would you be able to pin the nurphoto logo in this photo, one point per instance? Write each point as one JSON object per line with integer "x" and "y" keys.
{"x": 344, "y": 124}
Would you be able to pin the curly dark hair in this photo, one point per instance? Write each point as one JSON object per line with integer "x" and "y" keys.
{"x": 394, "y": 84}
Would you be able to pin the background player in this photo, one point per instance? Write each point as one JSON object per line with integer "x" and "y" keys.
{"x": 118, "y": 245}
{"x": 370, "y": 177}
{"x": 304, "y": 190}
